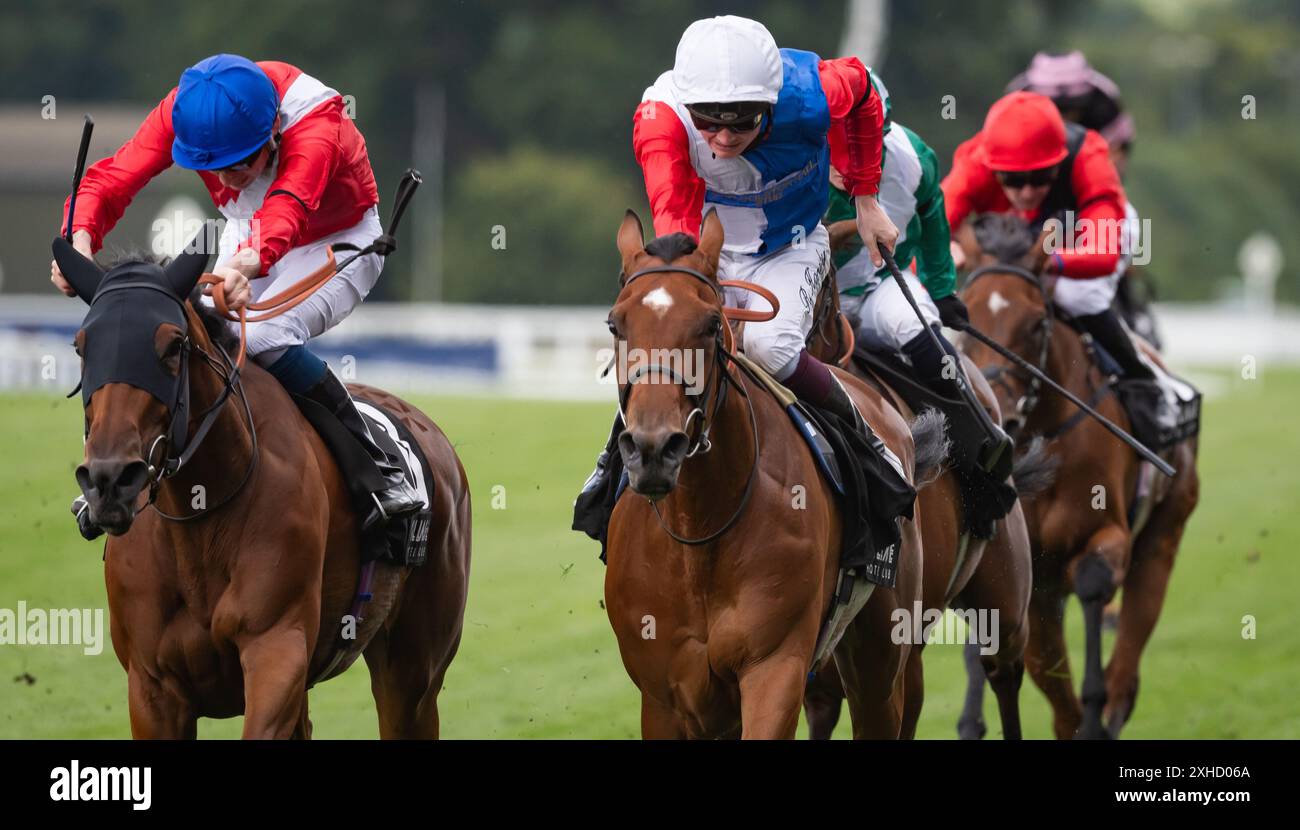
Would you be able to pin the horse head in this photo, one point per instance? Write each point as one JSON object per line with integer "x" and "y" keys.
{"x": 1009, "y": 302}
{"x": 134, "y": 345}
{"x": 669, "y": 330}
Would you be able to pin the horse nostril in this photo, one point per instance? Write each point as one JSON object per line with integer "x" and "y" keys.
{"x": 110, "y": 478}
{"x": 674, "y": 449}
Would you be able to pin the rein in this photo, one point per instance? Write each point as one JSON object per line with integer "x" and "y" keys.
{"x": 996, "y": 374}
{"x": 722, "y": 354}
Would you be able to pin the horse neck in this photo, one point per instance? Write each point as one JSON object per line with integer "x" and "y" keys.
{"x": 1068, "y": 365}
{"x": 219, "y": 462}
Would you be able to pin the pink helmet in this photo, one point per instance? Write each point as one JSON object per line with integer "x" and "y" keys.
{"x": 1069, "y": 80}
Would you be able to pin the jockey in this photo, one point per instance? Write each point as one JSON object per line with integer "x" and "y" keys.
{"x": 882, "y": 317}
{"x": 749, "y": 130}
{"x": 1028, "y": 161}
{"x": 290, "y": 174}
{"x": 1089, "y": 98}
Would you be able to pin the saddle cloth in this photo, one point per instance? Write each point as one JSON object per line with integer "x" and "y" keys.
{"x": 404, "y": 540}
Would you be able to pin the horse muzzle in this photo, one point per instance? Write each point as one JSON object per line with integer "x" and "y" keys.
{"x": 653, "y": 459}
{"x": 111, "y": 487}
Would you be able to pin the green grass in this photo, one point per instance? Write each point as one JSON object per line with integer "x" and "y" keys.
{"x": 538, "y": 658}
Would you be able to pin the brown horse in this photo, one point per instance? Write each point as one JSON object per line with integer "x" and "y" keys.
{"x": 961, "y": 571}
{"x": 719, "y": 636}
{"x": 242, "y": 596}
{"x": 1080, "y": 527}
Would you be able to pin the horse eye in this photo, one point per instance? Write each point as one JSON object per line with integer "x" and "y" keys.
{"x": 613, "y": 328}
{"x": 715, "y": 326}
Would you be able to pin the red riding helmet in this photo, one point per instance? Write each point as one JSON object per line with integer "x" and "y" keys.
{"x": 1023, "y": 131}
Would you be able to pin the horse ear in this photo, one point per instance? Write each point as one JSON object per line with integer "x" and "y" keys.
{"x": 631, "y": 238}
{"x": 711, "y": 237}
{"x": 82, "y": 273}
{"x": 183, "y": 272}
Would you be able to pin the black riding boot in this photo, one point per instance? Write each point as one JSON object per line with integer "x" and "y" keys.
{"x": 398, "y": 497}
{"x": 1138, "y": 391}
{"x": 982, "y": 460}
{"x": 593, "y": 506}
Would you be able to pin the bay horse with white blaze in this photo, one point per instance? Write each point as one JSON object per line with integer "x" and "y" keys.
{"x": 232, "y": 578}
{"x": 1107, "y": 520}
{"x": 719, "y": 631}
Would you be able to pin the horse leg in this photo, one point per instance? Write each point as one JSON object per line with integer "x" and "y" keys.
{"x": 659, "y": 722}
{"x": 970, "y": 726}
{"x": 872, "y": 669}
{"x": 302, "y": 732}
{"x": 1048, "y": 660}
{"x": 1001, "y": 584}
{"x": 409, "y": 661}
{"x": 770, "y": 693}
{"x": 1144, "y": 596}
{"x": 275, "y": 680}
{"x": 158, "y": 712}
{"x": 1094, "y": 585}
{"x": 914, "y": 683}
{"x": 821, "y": 702}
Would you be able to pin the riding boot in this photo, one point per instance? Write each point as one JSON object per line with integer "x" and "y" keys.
{"x": 981, "y": 451}
{"x": 595, "y": 503}
{"x": 398, "y": 496}
{"x": 1139, "y": 390}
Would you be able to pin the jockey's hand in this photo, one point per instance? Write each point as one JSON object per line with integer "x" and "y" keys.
{"x": 958, "y": 255}
{"x": 234, "y": 284}
{"x": 235, "y": 274}
{"x": 952, "y": 312}
{"x": 81, "y": 242}
{"x": 874, "y": 227}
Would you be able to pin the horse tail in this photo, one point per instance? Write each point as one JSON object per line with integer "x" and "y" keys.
{"x": 1035, "y": 470}
{"x": 932, "y": 445}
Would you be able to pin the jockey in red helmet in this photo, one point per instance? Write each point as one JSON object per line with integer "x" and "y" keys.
{"x": 1028, "y": 161}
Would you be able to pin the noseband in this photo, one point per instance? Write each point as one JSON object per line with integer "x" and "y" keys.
{"x": 700, "y": 444}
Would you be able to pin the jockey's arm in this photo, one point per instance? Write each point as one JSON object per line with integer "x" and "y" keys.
{"x": 308, "y": 157}
{"x": 1100, "y": 215}
{"x": 935, "y": 266}
{"x": 968, "y": 185}
{"x": 675, "y": 191}
{"x": 110, "y": 184}
{"x": 856, "y": 143}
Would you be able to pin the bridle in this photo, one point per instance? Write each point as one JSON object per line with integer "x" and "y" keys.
{"x": 715, "y": 389}
{"x": 996, "y": 375}
{"x": 178, "y": 447}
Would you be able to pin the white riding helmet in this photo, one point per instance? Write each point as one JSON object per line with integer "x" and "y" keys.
{"x": 727, "y": 59}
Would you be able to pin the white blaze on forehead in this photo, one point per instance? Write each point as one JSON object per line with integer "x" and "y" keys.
{"x": 659, "y": 299}
{"x": 997, "y": 302}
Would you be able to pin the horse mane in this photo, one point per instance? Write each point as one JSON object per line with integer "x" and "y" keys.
{"x": 671, "y": 246}
{"x": 1035, "y": 470}
{"x": 216, "y": 326}
{"x": 1003, "y": 235}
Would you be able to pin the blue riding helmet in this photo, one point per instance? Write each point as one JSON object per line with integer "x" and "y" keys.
{"x": 224, "y": 112}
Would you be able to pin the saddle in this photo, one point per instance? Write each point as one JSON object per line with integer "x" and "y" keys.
{"x": 405, "y": 539}
{"x": 1176, "y": 416}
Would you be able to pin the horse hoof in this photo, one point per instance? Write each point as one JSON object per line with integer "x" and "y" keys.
{"x": 971, "y": 730}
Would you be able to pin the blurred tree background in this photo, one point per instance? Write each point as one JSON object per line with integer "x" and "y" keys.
{"x": 537, "y": 98}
